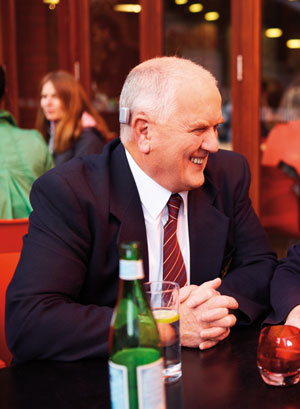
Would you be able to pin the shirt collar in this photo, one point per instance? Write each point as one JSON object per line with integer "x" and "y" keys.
{"x": 149, "y": 189}
{"x": 7, "y": 116}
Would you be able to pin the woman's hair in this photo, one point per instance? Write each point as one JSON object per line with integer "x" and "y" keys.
{"x": 2, "y": 81}
{"x": 75, "y": 103}
{"x": 290, "y": 104}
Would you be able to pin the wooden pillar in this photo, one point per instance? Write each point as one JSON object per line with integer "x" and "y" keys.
{"x": 245, "y": 84}
{"x": 151, "y": 29}
{"x": 8, "y": 55}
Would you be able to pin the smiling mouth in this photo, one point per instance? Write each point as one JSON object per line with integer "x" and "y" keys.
{"x": 197, "y": 161}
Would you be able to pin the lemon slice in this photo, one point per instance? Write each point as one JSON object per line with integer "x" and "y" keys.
{"x": 165, "y": 316}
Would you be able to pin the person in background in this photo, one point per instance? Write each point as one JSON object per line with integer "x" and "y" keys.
{"x": 280, "y": 173}
{"x": 24, "y": 156}
{"x": 285, "y": 289}
{"x": 60, "y": 301}
{"x": 283, "y": 141}
{"x": 67, "y": 120}
{"x": 271, "y": 95}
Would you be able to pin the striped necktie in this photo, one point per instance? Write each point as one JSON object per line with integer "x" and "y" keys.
{"x": 173, "y": 267}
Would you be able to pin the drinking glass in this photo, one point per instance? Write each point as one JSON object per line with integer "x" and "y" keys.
{"x": 278, "y": 355}
{"x": 164, "y": 301}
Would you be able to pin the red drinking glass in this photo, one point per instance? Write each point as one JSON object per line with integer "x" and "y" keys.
{"x": 278, "y": 355}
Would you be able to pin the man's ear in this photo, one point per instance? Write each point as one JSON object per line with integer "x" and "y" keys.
{"x": 140, "y": 126}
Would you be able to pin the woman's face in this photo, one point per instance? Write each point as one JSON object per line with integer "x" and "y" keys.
{"x": 51, "y": 104}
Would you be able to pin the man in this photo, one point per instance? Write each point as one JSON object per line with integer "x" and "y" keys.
{"x": 24, "y": 156}
{"x": 285, "y": 290}
{"x": 60, "y": 301}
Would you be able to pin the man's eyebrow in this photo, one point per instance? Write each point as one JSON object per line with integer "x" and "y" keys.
{"x": 200, "y": 124}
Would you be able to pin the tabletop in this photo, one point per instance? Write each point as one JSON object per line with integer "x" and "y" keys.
{"x": 223, "y": 377}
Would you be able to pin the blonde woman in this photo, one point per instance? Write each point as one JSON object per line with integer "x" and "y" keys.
{"x": 66, "y": 119}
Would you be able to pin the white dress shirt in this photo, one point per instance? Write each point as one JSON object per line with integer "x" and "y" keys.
{"x": 154, "y": 200}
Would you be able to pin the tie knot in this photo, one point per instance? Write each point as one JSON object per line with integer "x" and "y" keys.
{"x": 174, "y": 204}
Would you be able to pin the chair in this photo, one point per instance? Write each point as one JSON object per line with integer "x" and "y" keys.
{"x": 280, "y": 200}
{"x": 11, "y": 241}
{"x": 8, "y": 263}
{"x": 11, "y": 234}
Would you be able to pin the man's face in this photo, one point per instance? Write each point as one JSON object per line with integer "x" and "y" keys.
{"x": 179, "y": 149}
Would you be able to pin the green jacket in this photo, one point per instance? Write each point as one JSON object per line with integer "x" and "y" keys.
{"x": 24, "y": 156}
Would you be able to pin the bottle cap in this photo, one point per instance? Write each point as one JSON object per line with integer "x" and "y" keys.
{"x": 130, "y": 250}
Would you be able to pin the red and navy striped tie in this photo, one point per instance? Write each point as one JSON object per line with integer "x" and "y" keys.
{"x": 173, "y": 267}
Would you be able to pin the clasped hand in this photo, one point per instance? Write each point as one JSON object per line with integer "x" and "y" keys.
{"x": 294, "y": 317}
{"x": 205, "y": 315}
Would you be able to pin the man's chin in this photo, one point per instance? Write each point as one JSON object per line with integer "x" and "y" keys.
{"x": 195, "y": 184}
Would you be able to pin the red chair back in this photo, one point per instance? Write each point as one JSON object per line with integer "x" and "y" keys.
{"x": 8, "y": 263}
{"x": 279, "y": 203}
{"x": 11, "y": 234}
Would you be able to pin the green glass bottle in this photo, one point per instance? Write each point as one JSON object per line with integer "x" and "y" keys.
{"x": 135, "y": 356}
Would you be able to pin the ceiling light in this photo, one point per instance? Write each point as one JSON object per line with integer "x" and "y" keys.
{"x": 52, "y": 3}
{"x": 196, "y": 8}
{"x": 211, "y": 16}
{"x": 128, "y": 8}
{"x": 180, "y": 2}
{"x": 273, "y": 32}
{"x": 293, "y": 43}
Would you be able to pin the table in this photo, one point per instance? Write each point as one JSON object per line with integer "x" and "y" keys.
{"x": 224, "y": 377}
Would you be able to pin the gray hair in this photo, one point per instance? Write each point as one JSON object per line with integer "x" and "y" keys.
{"x": 152, "y": 86}
{"x": 290, "y": 105}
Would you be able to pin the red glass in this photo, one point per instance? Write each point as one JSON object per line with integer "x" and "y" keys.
{"x": 278, "y": 355}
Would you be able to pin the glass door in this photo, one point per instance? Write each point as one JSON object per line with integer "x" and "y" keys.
{"x": 114, "y": 45}
{"x": 201, "y": 32}
{"x": 280, "y": 119}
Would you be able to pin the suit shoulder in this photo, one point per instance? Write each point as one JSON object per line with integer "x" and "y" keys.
{"x": 227, "y": 161}
{"x": 225, "y": 156}
{"x": 228, "y": 168}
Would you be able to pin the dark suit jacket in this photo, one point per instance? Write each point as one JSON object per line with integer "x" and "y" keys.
{"x": 285, "y": 286}
{"x": 60, "y": 300}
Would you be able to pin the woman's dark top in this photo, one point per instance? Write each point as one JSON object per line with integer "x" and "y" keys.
{"x": 90, "y": 142}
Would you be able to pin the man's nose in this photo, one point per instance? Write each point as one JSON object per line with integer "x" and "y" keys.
{"x": 210, "y": 141}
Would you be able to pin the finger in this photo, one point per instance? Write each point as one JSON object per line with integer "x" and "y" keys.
{"x": 215, "y": 314}
{"x": 225, "y": 322}
{"x": 185, "y": 292}
{"x": 215, "y": 283}
{"x": 225, "y": 335}
{"x": 214, "y": 334}
{"x": 207, "y": 344}
{"x": 204, "y": 292}
{"x": 222, "y": 301}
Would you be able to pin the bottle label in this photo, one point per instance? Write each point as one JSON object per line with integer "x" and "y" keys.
{"x": 118, "y": 378}
{"x": 131, "y": 269}
{"x": 151, "y": 390}
{"x": 150, "y": 386}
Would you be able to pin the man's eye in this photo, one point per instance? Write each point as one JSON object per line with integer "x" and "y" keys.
{"x": 197, "y": 130}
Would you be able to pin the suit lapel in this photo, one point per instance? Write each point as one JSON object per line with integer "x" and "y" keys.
{"x": 125, "y": 205}
{"x": 208, "y": 229}
{"x": 208, "y": 226}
